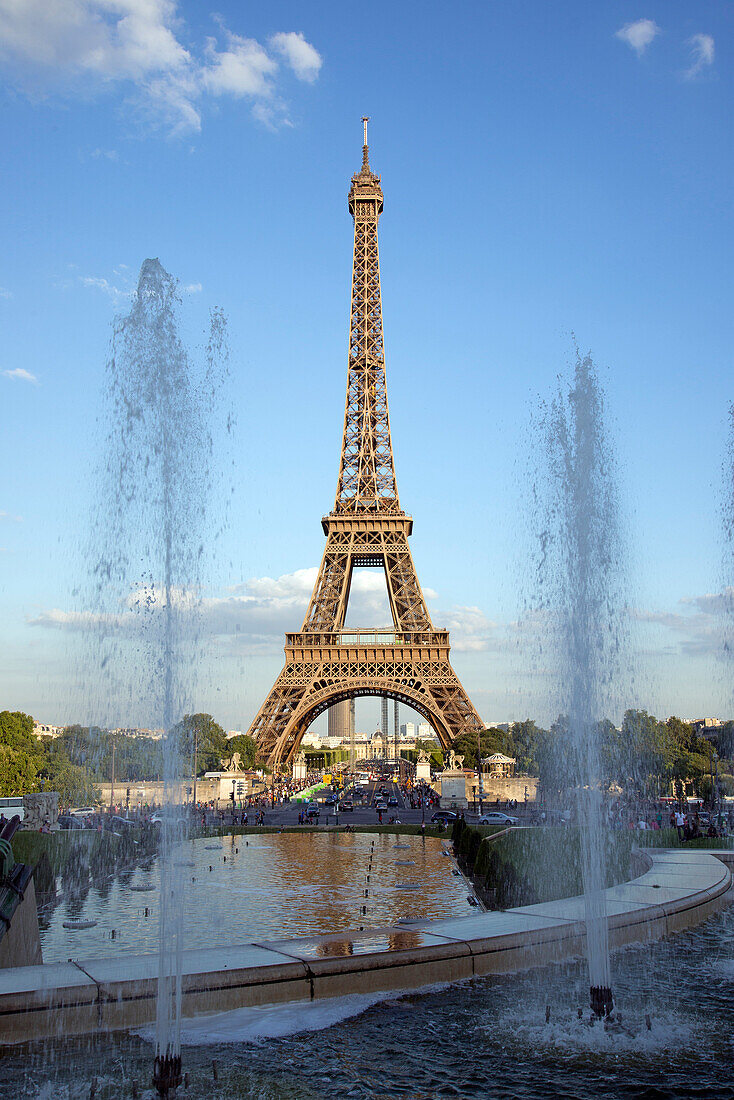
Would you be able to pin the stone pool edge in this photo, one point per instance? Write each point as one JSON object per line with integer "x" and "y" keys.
{"x": 678, "y": 890}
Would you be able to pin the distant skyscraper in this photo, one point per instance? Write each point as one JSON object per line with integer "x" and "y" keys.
{"x": 341, "y": 719}
{"x": 425, "y": 733}
{"x": 407, "y": 731}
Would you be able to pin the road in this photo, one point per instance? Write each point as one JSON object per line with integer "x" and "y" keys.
{"x": 364, "y": 812}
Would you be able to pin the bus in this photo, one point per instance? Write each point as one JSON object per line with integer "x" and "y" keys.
{"x": 12, "y": 806}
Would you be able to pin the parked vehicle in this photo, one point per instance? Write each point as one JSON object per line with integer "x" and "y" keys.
{"x": 347, "y": 806}
{"x": 12, "y": 806}
{"x": 158, "y": 818}
{"x": 497, "y": 817}
{"x": 447, "y": 816}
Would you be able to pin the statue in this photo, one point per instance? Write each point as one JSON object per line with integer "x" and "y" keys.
{"x": 234, "y": 764}
{"x": 453, "y": 762}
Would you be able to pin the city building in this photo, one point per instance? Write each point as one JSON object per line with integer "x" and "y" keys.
{"x": 341, "y": 718}
{"x": 42, "y": 730}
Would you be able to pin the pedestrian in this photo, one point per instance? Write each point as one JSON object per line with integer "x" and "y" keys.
{"x": 680, "y": 822}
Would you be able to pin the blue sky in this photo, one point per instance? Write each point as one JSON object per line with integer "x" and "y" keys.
{"x": 548, "y": 170}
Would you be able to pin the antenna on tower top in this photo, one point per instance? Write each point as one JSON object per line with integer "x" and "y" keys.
{"x": 365, "y": 120}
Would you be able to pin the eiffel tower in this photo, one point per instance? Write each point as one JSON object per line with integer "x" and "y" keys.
{"x": 324, "y": 663}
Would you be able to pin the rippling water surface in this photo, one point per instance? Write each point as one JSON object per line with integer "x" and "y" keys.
{"x": 486, "y": 1038}
{"x": 261, "y": 886}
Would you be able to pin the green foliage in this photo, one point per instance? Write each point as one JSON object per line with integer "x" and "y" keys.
{"x": 528, "y": 865}
{"x": 20, "y": 754}
{"x": 208, "y": 736}
{"x": 726, "y": 783}
{"x": 74, "y": 783}
{"x": 246, "y": 746}
{"x": 16, "y": 730}
{"x": 18, "y": 772}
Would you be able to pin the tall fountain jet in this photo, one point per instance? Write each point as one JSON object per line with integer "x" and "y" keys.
{"x": 152, "y": 530}
{"x": 582, "y": 569}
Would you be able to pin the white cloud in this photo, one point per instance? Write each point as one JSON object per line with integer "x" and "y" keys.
{"x": 105, "y": 154}
{"x": 87, "y": 47}
{"x": 5, "y": 293}
{"x": 21, "y": 375}
{"x": 10, "y": 518}
{"x": 96, "y": 282}
{"x": 192, "y": 288}
{"x": 263, "y": 609}
{"x": 243, "y": 69}
{"x": 702, "y": 54}
{"x": 700, "y": 627}
{"x": 305, "y": 61}
{"x": 638, "y": 35}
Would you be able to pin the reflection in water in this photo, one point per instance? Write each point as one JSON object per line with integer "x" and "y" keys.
{"x": 262, "y": 887}
{"x": 335, "y": 949}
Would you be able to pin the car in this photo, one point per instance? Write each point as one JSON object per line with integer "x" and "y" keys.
{"x": 346, "y": 806}
{"x": 70, "y": 821}
{"x": 496, "y": 817}
{"x": 446, "y": 816}
{"x": 392, "y": 801}
{"x": 380, "y": 806}
{"x": 330, "y": 801}
{"x": 179, "y": 824}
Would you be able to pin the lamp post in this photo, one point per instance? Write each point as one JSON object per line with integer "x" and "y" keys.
{"x": 479, "y": 772}
{"x": 195, "y": 767}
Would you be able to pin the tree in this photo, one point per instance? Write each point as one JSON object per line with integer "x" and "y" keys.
{"x": 490, "y": 741}
{"x": 18, "y": 772}
{"x": 523, "y": 745}
{"x": 210, "y": 740}
{"x": 16, "y": 730}
{"x": 246, "y": 746}
{"x": 73, "y": 782}
{"x": 21, "y": 754}
{"x": 554, "y": 758}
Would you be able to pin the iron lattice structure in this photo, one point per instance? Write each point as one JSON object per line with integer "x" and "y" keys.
{"x": 324, "y": 663}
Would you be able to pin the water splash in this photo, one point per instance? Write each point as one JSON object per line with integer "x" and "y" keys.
{"x": 151, "y": 544}
{"x": 580, "y": 574}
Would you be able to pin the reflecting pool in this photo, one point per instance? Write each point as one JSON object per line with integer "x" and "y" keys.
{"x": 261, "y": 886}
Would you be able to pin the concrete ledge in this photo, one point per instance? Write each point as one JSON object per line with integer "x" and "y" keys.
{"x": 677, "y": 890}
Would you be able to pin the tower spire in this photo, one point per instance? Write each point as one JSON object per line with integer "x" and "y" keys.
{"x": 365, "y": 146}
{"x": 366, "y": 474}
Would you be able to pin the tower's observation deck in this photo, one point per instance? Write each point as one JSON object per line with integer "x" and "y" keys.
{"x": 366, "y": 528}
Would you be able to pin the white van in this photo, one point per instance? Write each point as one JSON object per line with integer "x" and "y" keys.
{"x": 12, "y": 806}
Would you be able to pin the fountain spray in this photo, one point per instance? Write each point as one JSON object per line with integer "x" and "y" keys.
{"x": 582, "y": 568}
{"x": 154, "y": 522}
